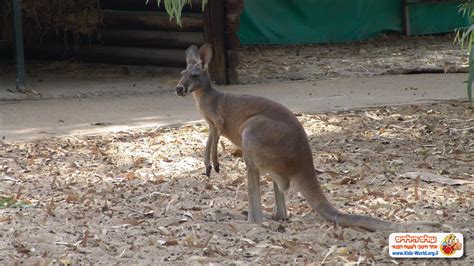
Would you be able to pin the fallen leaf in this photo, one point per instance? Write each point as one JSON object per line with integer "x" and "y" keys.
{"x": 237, "y": 153}
{"x": 248, "y": 241}
{"x": 164, "y": 231}
{"x": 5, "y": 218}
{"x": 233, "y": 228}
{"x": 19, "y": 193}
{"x": 139, "y": 161}
{"x": 240, "y": 179}
{"x": 330, "y": 251}
{"x": 160, "y": 179}
{"x": 50, "y": 207}
{"x": 291, "y": 245}
{"x": 429, "y": 177}
{"x": 417, "y": 185}
{"x": 84, "y": 239}
{"x": 21, "y": 248}
{"x": 205, "y": 244}
{"x": 348, "y": 181}
{"x": 168, "y": 242}
{"x": 72, "y": 198}
{"x": 131, "y": 221}
{"x": 222, "y": 145}
{"x": 131, "y": 176}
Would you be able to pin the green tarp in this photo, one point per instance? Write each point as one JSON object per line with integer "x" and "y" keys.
{"x": 324, "y": 21}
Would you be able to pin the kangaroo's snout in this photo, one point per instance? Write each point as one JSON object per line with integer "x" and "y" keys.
{"x": 181, "y": 90}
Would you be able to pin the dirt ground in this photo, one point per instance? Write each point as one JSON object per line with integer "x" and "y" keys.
{"x": 140, "y": 197}
{"x": 385, "y": 55}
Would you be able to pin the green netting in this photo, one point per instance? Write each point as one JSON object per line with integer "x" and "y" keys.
{"x": 323, "y": 21}
{"x": 436, "y": 18}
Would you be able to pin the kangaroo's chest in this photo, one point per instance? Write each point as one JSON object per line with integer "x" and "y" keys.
{"x": 219, "y": 115}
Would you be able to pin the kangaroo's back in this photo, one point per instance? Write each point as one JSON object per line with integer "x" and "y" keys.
{"x": 250, "y": 106}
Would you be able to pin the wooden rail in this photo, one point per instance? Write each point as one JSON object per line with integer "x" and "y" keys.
{"x": 150, "y": 20}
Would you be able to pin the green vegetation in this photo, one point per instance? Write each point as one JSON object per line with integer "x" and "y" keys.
{"x": 175, "y": 7}
{"x": 465, "y": 37}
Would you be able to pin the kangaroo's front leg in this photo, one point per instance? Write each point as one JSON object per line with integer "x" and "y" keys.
{"x": 207, "y": 155}
{"x": 215, "y": 142}
{"x": 216, "y": 125}
{"x": 211, "y": 150}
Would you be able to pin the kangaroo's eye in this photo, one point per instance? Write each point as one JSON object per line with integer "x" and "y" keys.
{"x": 194, "y": 74}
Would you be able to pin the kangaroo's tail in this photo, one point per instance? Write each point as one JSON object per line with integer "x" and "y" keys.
{"x": 311, "y": 190}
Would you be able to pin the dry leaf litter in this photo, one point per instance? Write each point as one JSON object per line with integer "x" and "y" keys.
{"x": 140, "y": 197}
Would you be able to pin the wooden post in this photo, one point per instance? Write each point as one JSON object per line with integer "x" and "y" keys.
{"x": 214, "y": 33}
{"x": 233, "y": 10}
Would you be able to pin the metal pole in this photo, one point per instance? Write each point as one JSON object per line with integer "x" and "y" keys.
{"x": 471, "y": 78}
{"x": 19, "y": 49}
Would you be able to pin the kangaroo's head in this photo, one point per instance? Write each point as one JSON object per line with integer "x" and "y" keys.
{"x": 195, "y": 77}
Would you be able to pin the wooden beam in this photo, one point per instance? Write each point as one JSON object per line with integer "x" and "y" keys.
{"x": 214, "y": 33}
{"x": 151, "y": 21}
{"x": 133, "y": 56}
{"x": 139, "y": 5}
{"x": 112, "y": 54}
{"x": 151, "y": 38}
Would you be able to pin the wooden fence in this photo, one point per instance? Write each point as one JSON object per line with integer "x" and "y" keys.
{"x": 138, "y": 34}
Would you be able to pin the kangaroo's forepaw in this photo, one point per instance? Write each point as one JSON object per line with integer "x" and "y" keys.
{"x": 208, "y": 170}
{"x": 216, "y": 167}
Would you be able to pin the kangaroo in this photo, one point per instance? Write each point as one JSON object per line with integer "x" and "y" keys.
{"x": 272, "y": 141}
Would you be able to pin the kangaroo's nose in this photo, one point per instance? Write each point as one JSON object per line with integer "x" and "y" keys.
{"x": 180, "y": 90}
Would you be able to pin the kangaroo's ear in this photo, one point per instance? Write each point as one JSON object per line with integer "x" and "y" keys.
{"x": 192, "y": 55}
{"x": 205, "y": 52}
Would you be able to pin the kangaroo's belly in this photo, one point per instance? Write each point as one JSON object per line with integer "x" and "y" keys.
{"x": 236, "y": 139}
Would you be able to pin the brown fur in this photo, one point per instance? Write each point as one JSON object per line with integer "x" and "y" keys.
{"x": 272, "y": 141}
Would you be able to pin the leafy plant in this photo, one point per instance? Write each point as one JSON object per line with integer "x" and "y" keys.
{"x": 465, "y": 36}
{"x": 12, "y": 202}
{"x": 174, "y": 8}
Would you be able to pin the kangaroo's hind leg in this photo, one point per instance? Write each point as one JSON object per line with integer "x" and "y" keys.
{"x": 279, "y": 209}
{"x": 262, "y": 150}
{"x": 253, "y": 188}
